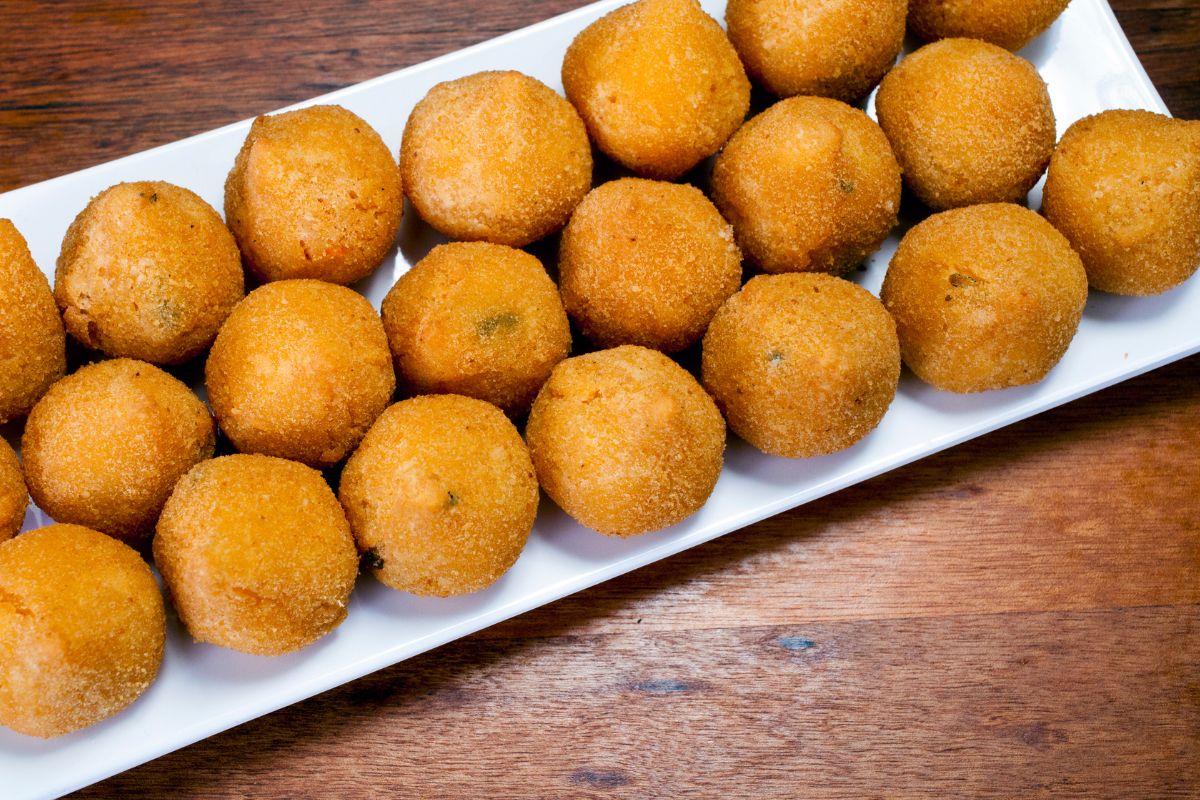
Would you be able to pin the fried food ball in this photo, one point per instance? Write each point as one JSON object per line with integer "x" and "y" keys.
{"x": 256, "y": 554}
{"x": 658, "y": 85}
{"x": 106, "y": 445}
{"x": 33, "y": 345}
{"x": 625, "y": 440}
{"x": 82, "y": 629}
{"x": 13, "y": 496}
{"x": 300, "y": 370}
{"x": 149, "y": 271}
{"x": 476, "y": 319}
{"x": 1124, "y": 188}
{"x": 495, "y": 156}
{"x": 969, "y": 121}
{"x": 834, "y": 48}
{"x": 1010, "y": 24}
{"x": 441, "y": 495}
{"x": 984, "y": 297}
{"x": 810, "y": 185}
{"x": 802, "y": 365}
{"x": 647, "y": 262}
{"x": 314, "y": 193}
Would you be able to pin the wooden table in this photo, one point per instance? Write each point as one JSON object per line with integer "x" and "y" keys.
{"x": 1018, "y": 616}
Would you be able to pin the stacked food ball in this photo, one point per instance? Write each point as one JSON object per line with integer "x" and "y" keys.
{"x": 438, "y": 491}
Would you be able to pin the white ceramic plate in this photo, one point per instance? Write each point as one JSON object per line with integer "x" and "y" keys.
{"x": 202, "y": 690}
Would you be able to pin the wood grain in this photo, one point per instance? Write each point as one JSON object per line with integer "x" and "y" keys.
{"x": 1019, "y": 616}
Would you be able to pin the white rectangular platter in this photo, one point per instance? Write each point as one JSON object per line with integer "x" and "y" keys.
{"x": 202, "y": 690}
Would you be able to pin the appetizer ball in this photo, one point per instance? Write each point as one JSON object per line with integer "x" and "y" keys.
{"x": 106, "y": 445}
{"x": 300, "y": 371}
{"x": 647, "y": 262}
{"x": 810, "y": 185}
{"x": 256, "y": 554}
{"x": 970, "y": 123}
{"x": 1124, "y": 188}
{"x": 1010, "y": 24}
{"x": 441, "y": 495}
{"x": 82, "y": 629}
{"x": 984, "y": 297}
{"x": 13, "y": 496}
{"x": 476, "y": 319}
{"x": 495, "y": 156}
{"x": 149, "y": 271}
{"x": 32, "y": 340}
{"x": 625, "y": 440}
{"x": 802, "y": 365}
{"x": 658, "y": 84}
{"x": 838, "y": 48}
{"x": 314, "y": 193}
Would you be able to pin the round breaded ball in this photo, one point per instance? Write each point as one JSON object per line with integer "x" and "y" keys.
{"x": 810, "y": 185}
{"x": 149, "y": 271}
{"x": 658, "y": 85}
{"x": 495, "y": 156}
{"x": 647, "y": 262}
{"x": 441, "y": 495}
{"x": 106, "y": 445}
{"x": 1124, "y": 188}
{"x": 1010, "y": 24}
{"x": 82, "y": 629}
{"x": 314, "y": 193}
{"x": 256, "y": 554}
{"x": 33, "y": 345}
{"x": 625, "y": 440}
{"x": 476, "y": 319}
{"x": 835, "y": 48}
{"x": 300, "y": 370}
{"x": 802, "y": 365}
{"x": 969, "y": 121}
{"x": 13, "y": 496}
{"x": 984, "y": 297}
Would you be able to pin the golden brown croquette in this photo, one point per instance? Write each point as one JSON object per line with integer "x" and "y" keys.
{"x": 149, "y": 271}
{"x": 106, "y": 445}
{"x": 476, "y": 319}
{"x": 1010, "y": 24}
{"x": 984, "y": 297}
{"x": 441, "y": 495}
{"x": 82, "y": 629}
{"x": 625, "y": 440}
{"x": 658, "y": 85}
{"x": 497, "y": 157}
{"x": 802, "y": 365}
{"x": 314, "y": 193}
{"x": 14, "y": 498}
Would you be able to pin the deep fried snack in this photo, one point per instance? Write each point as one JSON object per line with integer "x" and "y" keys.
{"x": 300, "y": 370}
{"x": 984, "y": 297}
{"x": 441, "y": 495}
{"x": 13, "y": 495}
{"x": 314, "y": 193}
{"x": 82, "y": 629}
{"x": 33, "y": 345}
{"x": 810, "y": 185}
{"x": 969, "y": 121}
{"x": 256, "y": 554}
{"x": 1010, "y": 24}
{"x": 476, "y": 319}
{"x": 149, "y": 271}
{"x": 802, "y": 365}
{"x": 495, "y": 156}
{"x": 106, "y": 445}
{"x": 647, "y": 262}
{"x": 836, "y": 48}
{"x": 1124, "y": 188}
{"x": 625, "y": 440}
{"x": 658, "y": 84}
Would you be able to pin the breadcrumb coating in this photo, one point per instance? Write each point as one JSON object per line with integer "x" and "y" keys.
{"x": 33, "y": 344}
{"x": 13, "y": 495}
{"x": 1010, "y": 24}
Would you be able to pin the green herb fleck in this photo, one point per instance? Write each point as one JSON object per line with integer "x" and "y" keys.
{"x": 847, "y": 185}
{"x": 451, "y": 499}
{"x": 505, "y": 321}
{"x": 154, "y": 197}
{"x": 775, "y": 357}
{"x": 372, "y": 559}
